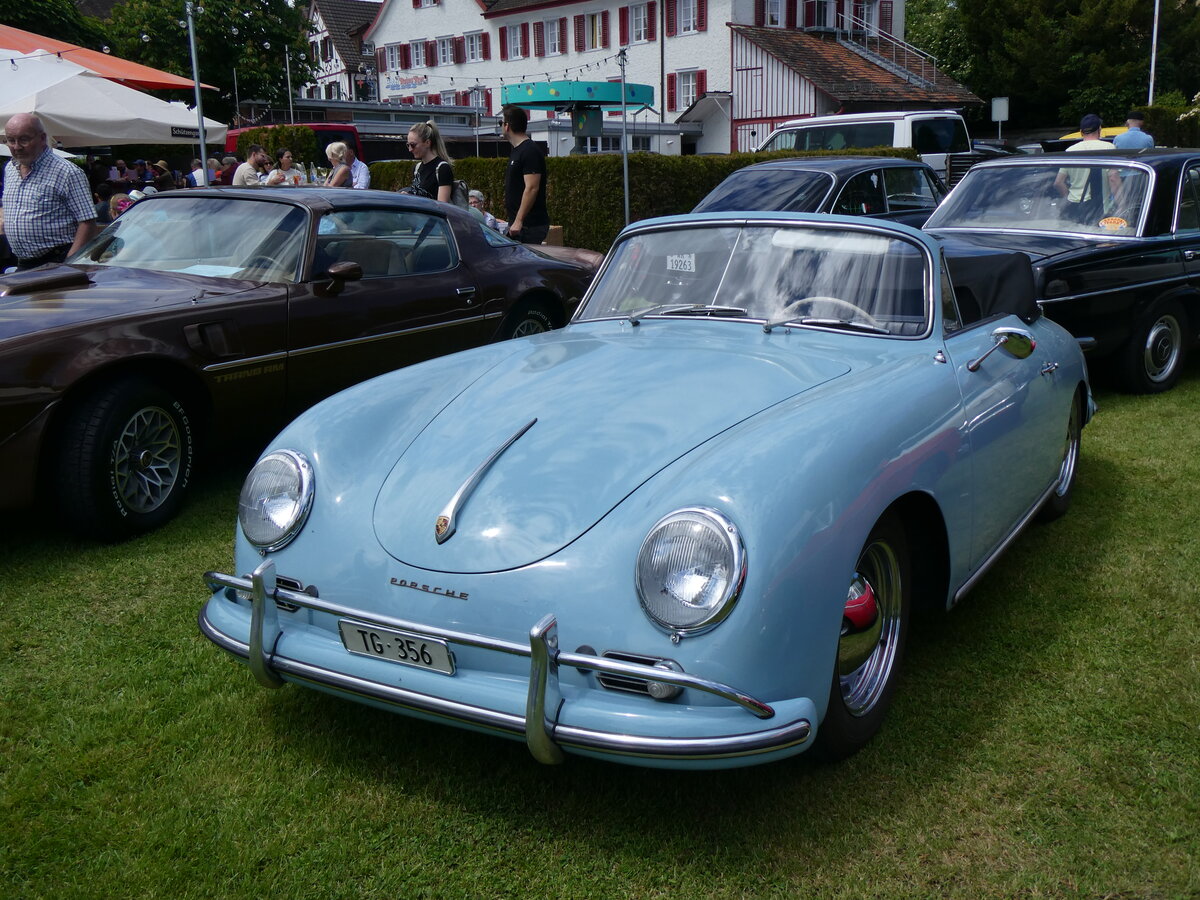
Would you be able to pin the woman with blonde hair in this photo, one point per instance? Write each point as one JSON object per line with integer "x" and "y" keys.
{"x": 433, "y": 176}
{"x": 339, "y": 173}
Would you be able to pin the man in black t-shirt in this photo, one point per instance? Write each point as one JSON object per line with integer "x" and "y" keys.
{"x": 524, "y": 181}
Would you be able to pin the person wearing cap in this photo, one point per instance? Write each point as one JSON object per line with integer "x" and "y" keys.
{"x": 47, "y": 204}
{"x": 1084, "y": 200}
{"x": 1134, "y": 138}
{"x": 141, "y": 173}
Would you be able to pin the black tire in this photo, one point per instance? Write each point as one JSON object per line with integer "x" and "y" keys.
{"x": 125, "y": 460}
{"x": 526, "y": 320}
{"x": 1152, "y": 359}
{"x": 868, "y": 659}
{"x": 1059, "y": 502}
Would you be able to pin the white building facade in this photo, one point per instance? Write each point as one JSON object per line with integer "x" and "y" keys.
{"x": 715, "y": 90}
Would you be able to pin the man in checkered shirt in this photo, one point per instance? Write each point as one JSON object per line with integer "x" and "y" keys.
{"x": 48, "y": 208}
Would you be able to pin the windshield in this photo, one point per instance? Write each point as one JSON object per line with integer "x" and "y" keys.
{"x": 213, "y": 236}
{"x": 837, "y": 136}
{"x": 794, "y": 190}
{"x": 826, "y": 277}
{"x": 1091, "y": 198}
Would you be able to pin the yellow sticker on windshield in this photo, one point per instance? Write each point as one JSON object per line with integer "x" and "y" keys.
{"x": 1113, "y": 223}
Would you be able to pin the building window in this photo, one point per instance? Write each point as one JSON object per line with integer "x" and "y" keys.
{"x": 554, "y": 29}
{"x": 596, "y": 31}
{"x": 417, "y": 53}
{"x": 420, "y": 99}
{"x": 687, "y": 89}
{"x": 445, "y": 51}
{"x": 639, "y": 23}
{"x": 392, "y": 57}
{"x": 774, "y": 14}
{"x": 421, "y": 4}
{"x": 515, "y": 50}
{"x": 687, "y": 16}
{"x": 684, "y": 88}
{"x": 449, "y": 98}
{"x": 474, "y": 47}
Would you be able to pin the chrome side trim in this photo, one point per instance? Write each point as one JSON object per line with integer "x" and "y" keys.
{"x": 446, "y": 523}
{"x": 247, "y": 361}
{"x": 1004, "y": 544}
{"x": 1176, "y": 279}
{"x": 542, "y": 735}
{"x": 374, "y": 338}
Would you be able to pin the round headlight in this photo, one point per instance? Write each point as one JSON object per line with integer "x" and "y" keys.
{"x": 275, "y": 499}
{"x": 690, "y": 569}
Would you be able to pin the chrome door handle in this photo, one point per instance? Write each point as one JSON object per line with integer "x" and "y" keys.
{"x": 1189, "y": 255}
{"x": 1049, "y": 367}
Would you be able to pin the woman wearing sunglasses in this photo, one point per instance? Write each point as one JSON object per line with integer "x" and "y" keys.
{"x": 433, "y": 176}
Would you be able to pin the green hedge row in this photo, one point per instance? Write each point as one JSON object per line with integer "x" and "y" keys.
{"x": 585, "y": 195}
{"x": 1169, "y": 130}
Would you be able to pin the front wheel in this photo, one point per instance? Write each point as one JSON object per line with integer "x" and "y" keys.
{"x": 870, "y": 645}
{"x": 525, "y": 321}
{"x": 125, "y": 460}
{"x": 1152, "y": 358}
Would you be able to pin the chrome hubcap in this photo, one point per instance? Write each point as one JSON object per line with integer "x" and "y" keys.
{"x": 870, "y": 629}
{"x": 1164, "y": 343}
{"x": 147, "y": 459}
{"x": 1066, "y": 473}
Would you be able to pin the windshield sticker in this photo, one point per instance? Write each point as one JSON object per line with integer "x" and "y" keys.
{"x": 682, "y": 262}
{"x": 1113, "y": 223}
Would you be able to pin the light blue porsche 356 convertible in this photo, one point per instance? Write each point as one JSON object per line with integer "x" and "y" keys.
{"x": 688, "y": 529}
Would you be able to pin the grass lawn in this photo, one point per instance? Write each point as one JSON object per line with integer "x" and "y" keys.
{"x": 1045, "y": 741}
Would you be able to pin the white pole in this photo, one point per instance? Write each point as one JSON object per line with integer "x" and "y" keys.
{"x": 621, "y": 57}
{"x": 1153, "y": 54}
{"x": 187, "y": 8}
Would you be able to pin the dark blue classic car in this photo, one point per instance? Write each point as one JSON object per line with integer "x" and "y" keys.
{"x": 1114, "y": 237}
{"x": 900, "y": 190}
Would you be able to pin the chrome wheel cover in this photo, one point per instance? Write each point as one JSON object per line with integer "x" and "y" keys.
{"x": 1164, "y": 346}
{"x": 1066, "y": 474}
{"x": 146, "y": 459}
{"x": 867, "y": 656}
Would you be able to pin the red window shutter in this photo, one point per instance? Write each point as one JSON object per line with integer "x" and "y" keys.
{"x": 408, "y": 100}
{"x": 623, "y": 25}
{"x": 885, "y": 16}
{"x": 416, "y": 4}
{"x": 562, "y": 35}
{"x": 381, "y": 60}
{"x": 604, "y": 29}
{"x": 652, "y": 21}
{"x": 431, "y": 55}
{"x": 580, "y": 44}
{"x": 760, "y": 13}
{"x": 672, "y": 93}
{"x": 672, "y": 18}
{"x": 405, "y": 57}
{"x": 434, "y": 99}
{"x": 702, "y": 15}
{"x": 539, "y": 39}
{"x": 460, "y": 50}
{"x": 810, "y": 15}
{"x": 525, "y": 39}
{"x": 791, "y": 13}
{"x": 701, "y": 83}
{"x": 486, "y": 45}
{"x": 502, "y": 37}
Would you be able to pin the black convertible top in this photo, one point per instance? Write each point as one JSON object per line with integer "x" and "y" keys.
{"x": 991, "y": 283}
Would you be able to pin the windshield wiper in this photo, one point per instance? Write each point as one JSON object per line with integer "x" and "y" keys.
{"x": 686, "y": 309}
{"x": 851, "y": 324}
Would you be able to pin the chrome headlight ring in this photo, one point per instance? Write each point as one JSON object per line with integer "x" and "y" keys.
{"x": 690, "y": 570}
{"x": 276, "y": 499}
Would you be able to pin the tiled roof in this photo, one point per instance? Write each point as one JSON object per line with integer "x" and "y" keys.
{"x": 346, "y": 20}
{"x": 508, "y": 6}
{"x": 846, "y": 75}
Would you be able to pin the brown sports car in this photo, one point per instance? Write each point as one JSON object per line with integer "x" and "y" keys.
{"x": 225, "y": 312}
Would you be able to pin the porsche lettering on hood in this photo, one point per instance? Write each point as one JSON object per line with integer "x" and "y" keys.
{"x": 628, "y": 399}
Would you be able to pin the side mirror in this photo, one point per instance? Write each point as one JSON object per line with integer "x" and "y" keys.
{"x": 341, "y": 272}
{"x": 1018, "y": 342}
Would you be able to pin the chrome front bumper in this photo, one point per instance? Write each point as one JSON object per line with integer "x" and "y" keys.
{"x": 543, "y": 735}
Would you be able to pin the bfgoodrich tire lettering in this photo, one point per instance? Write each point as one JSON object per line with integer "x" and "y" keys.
{"x": 525, "y": 321}
{"x": 125, "y": 461}
{"x": 869, "y": 652}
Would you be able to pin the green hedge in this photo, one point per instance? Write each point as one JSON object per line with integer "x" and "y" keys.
{"x": 584, "y": 193}
{"x": 1168, "y": 130}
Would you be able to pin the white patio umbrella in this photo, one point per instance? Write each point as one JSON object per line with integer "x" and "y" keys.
{"x": 79, "y": 108}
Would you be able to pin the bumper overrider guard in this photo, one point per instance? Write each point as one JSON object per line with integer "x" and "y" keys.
{"x": 544, "y": 737}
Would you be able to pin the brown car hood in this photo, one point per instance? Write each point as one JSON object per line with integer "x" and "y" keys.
{"x": 589, "y": 259}
{"x": 57, "y": 296}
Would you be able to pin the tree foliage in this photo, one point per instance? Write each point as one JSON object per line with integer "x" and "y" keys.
{"x": 249, "y": 37}
{"x": 1059, "y": 59}
{"x": 59, "y": 19}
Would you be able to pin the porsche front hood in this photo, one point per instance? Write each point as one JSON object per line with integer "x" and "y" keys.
{"x": 590, "y": 417}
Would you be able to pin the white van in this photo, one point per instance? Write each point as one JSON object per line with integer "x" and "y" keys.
{"x": 935, "y": 134}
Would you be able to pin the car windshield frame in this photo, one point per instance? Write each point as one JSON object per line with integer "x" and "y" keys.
{"x": 212, "y": 237}
{"x": 813, "y": 274}
{"x": 1037, "y": 206}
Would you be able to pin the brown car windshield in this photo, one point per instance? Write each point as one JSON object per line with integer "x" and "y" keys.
{"x": 216, "y": 237}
